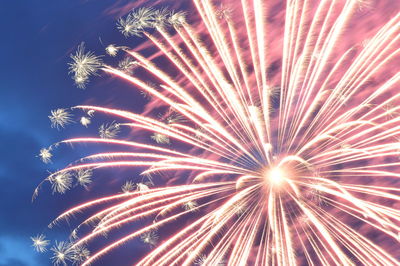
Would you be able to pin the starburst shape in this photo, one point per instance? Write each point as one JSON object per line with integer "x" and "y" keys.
{"x": 79, "y": 255}
{"x": 150, "y": 238}
{"x": 81, "y": 81}
{"x": 112, "y": 50}
{"x": 127, "y": 65}
{"x": 160, "y": 138}
{"x": 200, "y": 260}
{"x": 109, "y": 131}
{"x": 62, "y": 253}
{"x": 136, "y": 22}
{"x": 45, "y": 155}
{"x": 161, "y": 18}
{"x": 59, "y": 118}
{"x": 40, "y": 243}
{"x": 177, "y": 19}
{"x": 84, "y": 177}
{"x": 84, "y": 64}
{"x": 61, "y": 182}
{"x": 174, "y": 117}
{"x": 128, "y": 187}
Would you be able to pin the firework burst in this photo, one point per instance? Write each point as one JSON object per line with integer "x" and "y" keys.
{"x": 40, "y": 243}
{"x": 280, "y": 151}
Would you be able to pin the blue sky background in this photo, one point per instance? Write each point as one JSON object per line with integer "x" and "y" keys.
{"x": 37, "y": 38}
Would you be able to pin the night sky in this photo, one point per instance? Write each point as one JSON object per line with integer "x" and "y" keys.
{"x": 37, "y": 38}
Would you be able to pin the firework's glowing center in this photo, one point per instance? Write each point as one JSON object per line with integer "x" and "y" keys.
{"x": 276, "y": 176}
{"x": 250, "y": 113}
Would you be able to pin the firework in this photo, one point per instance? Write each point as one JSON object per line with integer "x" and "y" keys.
{"x": 45, "y": 155}
{"x": 278, "y": 151}
{"x": 85, "y": 121}
{"x": 83, "y": 177}
{"x": 59, "y": 119}
{"x": 40, "y": 243}
{"x": 84, "y": 64}
{"x": 109, "y": 131}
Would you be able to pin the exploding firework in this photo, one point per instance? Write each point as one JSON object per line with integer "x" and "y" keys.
{"x": 279, "y": 144}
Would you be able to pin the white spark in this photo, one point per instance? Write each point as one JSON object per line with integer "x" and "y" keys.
{"x": 160, "y": 138}
{"x": 177, "y": 19}
{"x": 112, "y": 50}
{"x": 127, "y": 64}
{"x": 175, "y": 118}
{"x": 83, "y": 177}
{"x": 40, "y": 243}
{"x": 136, "y": 21}
{"x": 150, "y": 238}
{"x": 85, "y": 121}
{"x": 61, "y": 182}
{"x": 81, "y": 81}
{"x": 60, "y": 118}
{"x": 74, "y": 234}
{"x": 62, "y": 253}
{"x": 45, "y": 155}
{"x": 91, "y": 113}
{"x": 84, "y": 64}
{"x": 108, "y": 131}
{"x": 201, "y": 260}
{"x": 80, "y": 254}
{"x": 128, "y": 187}
{"x": 161, "y": 18}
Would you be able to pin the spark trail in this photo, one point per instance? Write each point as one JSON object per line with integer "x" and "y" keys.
{"x": 290, "y": 119}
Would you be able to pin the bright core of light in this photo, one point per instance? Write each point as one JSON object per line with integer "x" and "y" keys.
{"x": 276, "y": 175}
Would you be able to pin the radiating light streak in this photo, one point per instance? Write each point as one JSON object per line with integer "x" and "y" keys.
{"x": 277, "y": 178}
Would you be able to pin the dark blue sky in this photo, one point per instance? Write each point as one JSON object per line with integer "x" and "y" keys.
{"x": 37, "y": 38}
